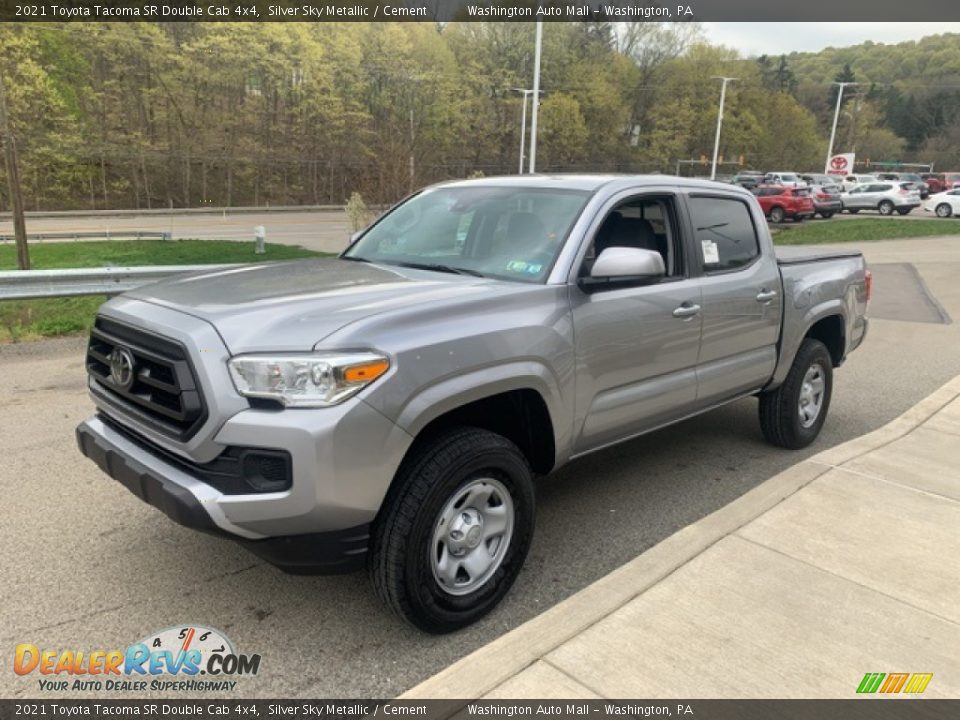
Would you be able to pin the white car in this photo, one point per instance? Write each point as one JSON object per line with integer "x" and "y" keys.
{"x": 944, "y": 204}
{"x": 882, "y": 197}
{"x": 787, "y": 179}
{"x": 851, "y": 181}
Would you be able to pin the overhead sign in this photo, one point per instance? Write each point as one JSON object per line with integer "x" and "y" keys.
{"x": 840, "y": 164}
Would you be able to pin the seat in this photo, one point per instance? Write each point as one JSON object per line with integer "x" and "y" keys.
{"x": 525, "y": 234}
{"x": 634, "y": 233}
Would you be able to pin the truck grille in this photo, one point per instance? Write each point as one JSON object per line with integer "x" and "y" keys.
{"x": 145, "y": 376}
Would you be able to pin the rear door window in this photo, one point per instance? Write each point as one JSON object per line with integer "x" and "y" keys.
{"x": 725, "y": 232}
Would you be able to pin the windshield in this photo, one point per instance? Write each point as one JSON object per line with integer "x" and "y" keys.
{"x": 510, "y": 233}
{"x": 789, "y": 177}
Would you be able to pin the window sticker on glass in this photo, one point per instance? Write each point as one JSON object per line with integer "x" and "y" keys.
{"x": 711, "y": 255}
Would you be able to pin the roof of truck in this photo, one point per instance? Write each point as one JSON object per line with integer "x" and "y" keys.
{"x": 587, "y": 182}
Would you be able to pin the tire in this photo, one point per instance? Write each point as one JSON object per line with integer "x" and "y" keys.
{"x": 885, "y": 207}
{"x": 944, "y": 210}
{"x": 903, "y": 211}
{"x": 799, "y": 218}
{"x": 826, "y": 215}
{"x": 853, "y": 211}
{"x": 434, "y": 484}
{"x": 780, "y": 409}
{"x": 777, "y": 214}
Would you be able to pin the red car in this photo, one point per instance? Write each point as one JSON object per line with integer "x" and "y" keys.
{"x": 935, "y": 181}
{"x": 780, "y": 203}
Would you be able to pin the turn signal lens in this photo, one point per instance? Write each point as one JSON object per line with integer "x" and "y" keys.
{"x": 365, "y": 373}
{"x": 868, "y": 284}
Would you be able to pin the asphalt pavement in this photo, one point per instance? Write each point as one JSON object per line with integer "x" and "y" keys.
{"x": 88, "y": 566}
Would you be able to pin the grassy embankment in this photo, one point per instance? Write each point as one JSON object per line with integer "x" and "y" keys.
{"x": 861, "y": 230}
{"x": 50, "y": 317}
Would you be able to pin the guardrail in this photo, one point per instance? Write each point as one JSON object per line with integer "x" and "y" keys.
{"x": 106, "y": 234}
{"x": 28, "y": 284}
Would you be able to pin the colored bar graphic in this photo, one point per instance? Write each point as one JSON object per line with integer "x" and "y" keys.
{"x": 895, "y": 682}
{"x": 918, "y": 682}
{"x": 870, "y": 682}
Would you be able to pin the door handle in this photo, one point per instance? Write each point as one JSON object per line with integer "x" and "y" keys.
{"x": 766, "y": 296}
{"x": 686, "y": 311}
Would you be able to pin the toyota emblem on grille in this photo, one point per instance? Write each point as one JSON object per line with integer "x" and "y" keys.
{"x": 121, "y": 367}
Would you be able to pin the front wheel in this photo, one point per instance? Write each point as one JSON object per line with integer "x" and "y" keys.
{"x": 826, "y": 215}
{"x": 777, "y": 215}
{"x": 903, "y": 211}
{"x": 455, "y": 529}
{"x": 853, "y": 211}
{"x": 792, "y": 415}
{"x": 885, "y": 208}
{"x": 944, "y": 210}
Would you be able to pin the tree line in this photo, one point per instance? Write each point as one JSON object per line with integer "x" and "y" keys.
{"x": 147, "y": 115}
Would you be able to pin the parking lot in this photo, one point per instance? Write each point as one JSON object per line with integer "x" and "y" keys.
{"x": 88, "y": 566}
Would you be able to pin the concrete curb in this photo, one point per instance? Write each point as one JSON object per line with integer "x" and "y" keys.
{"x": 483, "y": 670}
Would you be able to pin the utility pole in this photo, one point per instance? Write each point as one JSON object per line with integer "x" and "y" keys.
{"x": 716, "y": 141}
{"x": 13, "y": 181}
{"x": 523, "y": 126}
{"x": 833, "y": 131}
{"x": 536, "y": 97}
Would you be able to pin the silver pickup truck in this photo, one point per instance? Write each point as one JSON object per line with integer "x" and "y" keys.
{"x": 390, "y": 407}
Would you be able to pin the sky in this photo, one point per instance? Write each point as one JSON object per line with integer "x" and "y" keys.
{"x": 778, "y": 38}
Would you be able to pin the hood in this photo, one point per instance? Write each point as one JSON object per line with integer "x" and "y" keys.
{"x": 295, "y": 305}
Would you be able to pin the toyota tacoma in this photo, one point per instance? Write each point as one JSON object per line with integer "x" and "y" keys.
{"x": 390, "y": 407}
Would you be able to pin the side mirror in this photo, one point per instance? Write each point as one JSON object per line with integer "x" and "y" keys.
{"x": 625, "y": 263}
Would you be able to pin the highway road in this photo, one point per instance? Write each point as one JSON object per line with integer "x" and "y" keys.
{"x": 88, "y": 566}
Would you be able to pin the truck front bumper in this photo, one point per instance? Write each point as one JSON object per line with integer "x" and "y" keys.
{"x": 317, "y": 526}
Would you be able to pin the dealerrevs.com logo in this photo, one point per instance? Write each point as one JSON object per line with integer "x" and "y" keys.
{"x": 185, "y": 658}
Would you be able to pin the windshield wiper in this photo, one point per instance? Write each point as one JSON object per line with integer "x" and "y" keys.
{"x": 441, "y": 268}
{"x": 355, "y": 258}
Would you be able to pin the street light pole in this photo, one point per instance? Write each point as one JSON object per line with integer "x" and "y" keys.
{"x": 523, "y": 125}
{"x": 833, "y": 131}
{"x": 716, "y": 141}
{"x": 536, "y": 97}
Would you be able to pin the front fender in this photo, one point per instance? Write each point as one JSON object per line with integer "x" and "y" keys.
{"x": 455, "y": 391}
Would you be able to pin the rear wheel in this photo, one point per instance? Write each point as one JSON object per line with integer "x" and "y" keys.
{"x": 454, "y": 531}
{"x": 885, "y": 207}
{"x": 826, "y": 215}
{"x": 944, "y": 210}
{"x": 853, "y": 211}
{"x": 777, "y": 214}
{"x": 792, "y": 415}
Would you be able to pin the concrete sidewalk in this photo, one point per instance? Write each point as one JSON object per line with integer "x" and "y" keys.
{"x": 847, "y": 563}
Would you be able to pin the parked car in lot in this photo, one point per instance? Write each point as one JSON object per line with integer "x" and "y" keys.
{"x": 390, "y": 407}
{"x": 944, "y": 204}
{"x": 824, "y": 181}
{"x": 935, "y": 181}
{"x": 785, "y": 178}
{"x": 748, "y": 179}
{"x": 951, "y": 180}
{"x": 915, "y": 181}
{"x": 779, "y": 202}
{"x": 882, "y": 197}
{"x": 826, "y": 200}
{"x": 851, "y": 181}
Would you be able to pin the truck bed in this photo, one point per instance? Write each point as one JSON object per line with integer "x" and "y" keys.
{"x": 795, "y": 254}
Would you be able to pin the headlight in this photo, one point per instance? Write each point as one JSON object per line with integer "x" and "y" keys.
{"x": 307, "y": 380}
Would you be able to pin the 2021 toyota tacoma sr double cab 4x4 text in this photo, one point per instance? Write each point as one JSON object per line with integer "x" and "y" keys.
{"x": 390, "y": 407}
